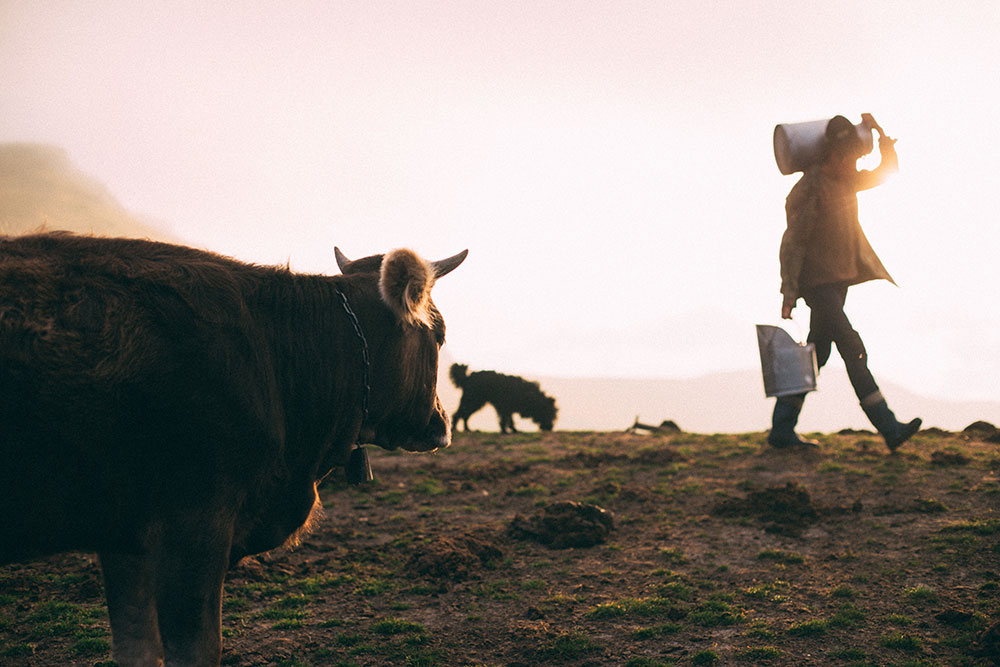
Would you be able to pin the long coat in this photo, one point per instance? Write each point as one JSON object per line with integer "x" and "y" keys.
{"x": 823, "y": 242}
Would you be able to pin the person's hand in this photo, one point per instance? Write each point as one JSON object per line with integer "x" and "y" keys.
{"x": 786, "y": 309}
{"x": 884, "y": 140}
{"x": 869, "y": 121}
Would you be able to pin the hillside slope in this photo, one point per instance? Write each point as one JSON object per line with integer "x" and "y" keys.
{"x": 40, "y": 188}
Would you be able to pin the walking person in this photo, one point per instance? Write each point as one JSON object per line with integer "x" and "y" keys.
{"x": 823, "y": 252}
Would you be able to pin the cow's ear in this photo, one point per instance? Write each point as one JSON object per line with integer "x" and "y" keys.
{"x": 405, "y": 284}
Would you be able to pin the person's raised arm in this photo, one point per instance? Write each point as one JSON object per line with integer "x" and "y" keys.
{"x": 888, "y": 161}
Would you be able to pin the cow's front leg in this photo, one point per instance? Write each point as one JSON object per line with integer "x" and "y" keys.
{"x": 190, "y": 574}
{"x": 130, "y": 588}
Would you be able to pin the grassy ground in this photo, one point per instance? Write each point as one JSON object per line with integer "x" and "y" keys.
{"x": 722, "y": 551}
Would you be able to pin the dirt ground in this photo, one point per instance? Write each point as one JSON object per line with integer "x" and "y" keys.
{"x": 603, "y": 549}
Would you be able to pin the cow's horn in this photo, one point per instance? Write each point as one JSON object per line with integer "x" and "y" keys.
{"x": 446, "y": 266}
{"x": 342, "y": 260}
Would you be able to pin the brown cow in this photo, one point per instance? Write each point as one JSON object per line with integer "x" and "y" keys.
{"x": 173, "y": 410}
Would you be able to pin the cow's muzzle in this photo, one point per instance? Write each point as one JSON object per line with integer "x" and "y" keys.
{"x": 434, "y": 435}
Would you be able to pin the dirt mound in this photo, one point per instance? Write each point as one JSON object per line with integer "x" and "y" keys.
{"x": 785, "y": 510}
{"x": 987, "y": 644}
{"x": 855, "y": 431}
{"x": 564, "y": 525}
{"x": 454, "y": 558}
{"x": 595, "y": 459}
{"x": 659, "y": 456}
{"x": 982, "y": 430}
{"x": 939, "y": 458}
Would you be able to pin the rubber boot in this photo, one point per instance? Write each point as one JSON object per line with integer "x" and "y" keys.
{"x": 783, "y": 421}
{"x": 882, "y": 418}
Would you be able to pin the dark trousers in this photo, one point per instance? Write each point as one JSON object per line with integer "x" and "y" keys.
{"x": 828, "y": 324}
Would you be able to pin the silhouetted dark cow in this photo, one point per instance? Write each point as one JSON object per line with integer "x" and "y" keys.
{"x": 173, "y": 409}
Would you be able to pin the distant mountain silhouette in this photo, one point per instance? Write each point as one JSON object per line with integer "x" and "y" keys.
{"x": 731, "y": 402}
{"x": 41, "y": 189}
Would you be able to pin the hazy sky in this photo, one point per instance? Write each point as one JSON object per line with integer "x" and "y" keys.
{"x": 608, "y": 164}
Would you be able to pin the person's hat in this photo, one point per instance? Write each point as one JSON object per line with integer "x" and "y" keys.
{"x": 842, "y": 135}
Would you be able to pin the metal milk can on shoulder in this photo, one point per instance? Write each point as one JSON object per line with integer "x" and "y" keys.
{"x": 799, "y": 145}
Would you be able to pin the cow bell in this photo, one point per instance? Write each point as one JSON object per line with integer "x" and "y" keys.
{"x": 359, "y": 469}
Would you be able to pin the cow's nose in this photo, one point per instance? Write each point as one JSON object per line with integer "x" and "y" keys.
{"x": 428, "y": 444}
{"x": 438, "y": 434}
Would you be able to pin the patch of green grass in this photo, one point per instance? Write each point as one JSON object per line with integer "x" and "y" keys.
{"x": 17, "y": 651}
{"x": 531, "y": 490}
{"x": 779, "y": 556}
{"x": 831, "y": 467}
{"x": 673, "y": 555}
{"x": 921, "y": 594}
{"x": 348, "y": 639}
{"x": 375, "y": 587}
{"x": 848, "y": 615}
{"x": 496, "y": 590}
{"x": 656, "y": 631}
{"x": 843, "y": 592}
{"x": 59, "y": 611}
{"x": 282, "y": 614}
{"x": 715, "y": 613}
{"x": 644, "y": 607}
{"x": 292, "y": 602}
{"x": 705, "y": 657}
{"x": 533, "y": 585}
{"x": 675, "y": 590}
{"x": 423, "y": 589}
{"x": 900, "y": 641}
{"x": 569, "y": 646}
{"x": 672, "y": 469}
{"x": 321, "y": 582}
{"x": 766, "y": 591}
{"x": 429, "y": 487}
{"x": 62, "y": 619}
{"x": 90, "y": 646}
{"x": 393, "y": 497}
{"x": 235, "y": 603}
{"x": 981, "y": 527}
{"x": 760, "y": 630}
{"x": 396, "y": 626}
{"x": 264, "y": 589}
{"x": 898, "y": 619}
{"x": 811, "y": 628}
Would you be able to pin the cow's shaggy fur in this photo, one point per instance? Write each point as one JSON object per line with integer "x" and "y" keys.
{"x": 506, "y": 393}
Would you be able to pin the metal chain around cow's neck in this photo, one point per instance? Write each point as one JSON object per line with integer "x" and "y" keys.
{"x": 364, "y": 354}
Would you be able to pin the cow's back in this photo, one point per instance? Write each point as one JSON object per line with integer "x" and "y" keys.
{"x": 113, "y": 362}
